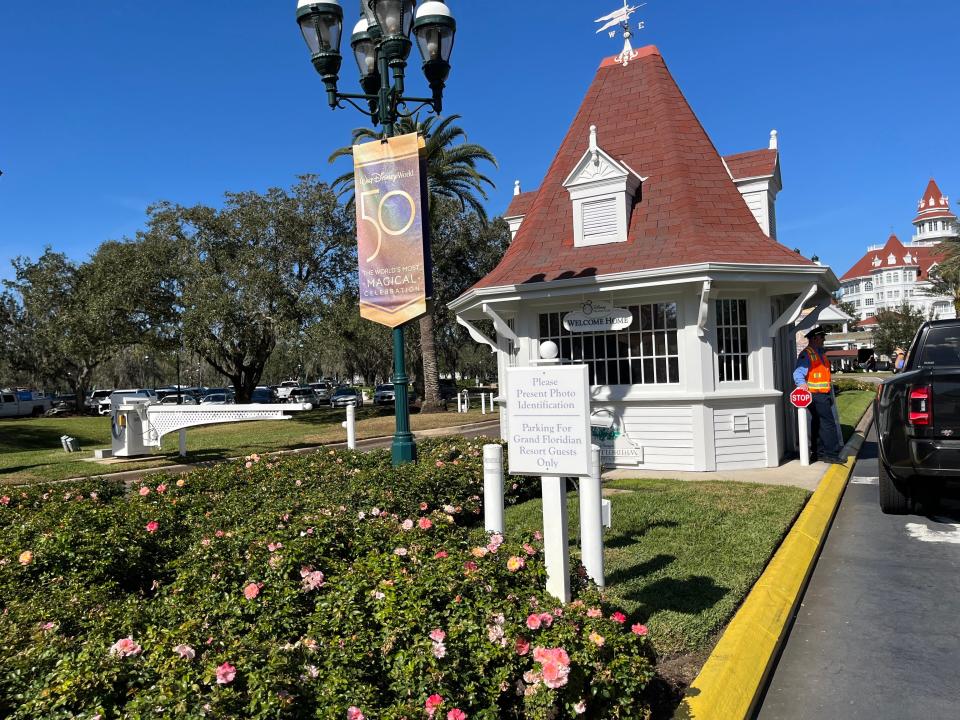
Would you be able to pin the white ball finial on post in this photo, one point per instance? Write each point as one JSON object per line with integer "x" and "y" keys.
{"x": 773, "y": 140}
{"x": 516, "y": 187}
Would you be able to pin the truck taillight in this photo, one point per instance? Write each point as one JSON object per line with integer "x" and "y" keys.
{"x": 921, "y": 405}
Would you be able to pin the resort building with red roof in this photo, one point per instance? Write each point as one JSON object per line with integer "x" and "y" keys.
{"x": 894, "y": 272}
{"x": 653, "y": 260}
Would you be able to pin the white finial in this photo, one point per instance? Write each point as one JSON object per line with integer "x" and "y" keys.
{"x": 593, "y": 145}
{"x": 773, "y": 139}
{"x": 516, "y": 187}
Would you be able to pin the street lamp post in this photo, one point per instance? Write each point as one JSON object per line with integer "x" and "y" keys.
{"x": 381, "y": 45}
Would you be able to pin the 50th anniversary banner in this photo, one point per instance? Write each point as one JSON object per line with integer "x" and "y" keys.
{"x": 393, "y": 239}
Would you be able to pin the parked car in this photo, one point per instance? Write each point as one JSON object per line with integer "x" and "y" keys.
{"x": 218, "y": 398}
{"x": 344, "y": 396}
{"x": 263, "y": 395}
{"x": 146, "y": 394}
{"x": 383, "y": 395}
{"x": 918, "y": 420}
{"x": 95, "y": 402}
{"x": 321, "y": 390}
{"x": 185, "y": 397}
{"x": 302, "y": 395}
{"x": 283, "y": 390}
{"x": 20, "y": 403}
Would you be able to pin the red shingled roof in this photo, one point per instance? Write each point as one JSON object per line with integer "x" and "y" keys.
{"x": 755, "y": 163}
{"x": 933, "y": 205}
{"x": 520, "y": 205}
{"x": 922, "y": 259}
{"x": 690, "y": 211}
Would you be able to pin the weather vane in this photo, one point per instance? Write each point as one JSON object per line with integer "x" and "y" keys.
{"x": 621, "y": 17}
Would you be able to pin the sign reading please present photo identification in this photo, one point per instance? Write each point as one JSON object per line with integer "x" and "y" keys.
{"x": 597, "y": 316}
{"x": 548, "y": 415}
{"x": 393, "y": 242}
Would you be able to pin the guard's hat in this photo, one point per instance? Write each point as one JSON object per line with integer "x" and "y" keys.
{"x": 818, "y": 330}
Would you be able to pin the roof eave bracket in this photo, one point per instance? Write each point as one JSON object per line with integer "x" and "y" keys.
{"x": 477, "y": 335}
{"x": 503, "y": 330}
{"x": 704, "y": 308}
{"x": 791, "y": 314}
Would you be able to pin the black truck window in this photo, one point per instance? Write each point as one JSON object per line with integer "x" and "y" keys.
{"x": 942, "y": 347}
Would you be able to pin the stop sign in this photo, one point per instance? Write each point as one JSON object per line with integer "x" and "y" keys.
{"x": 801, "y": 398}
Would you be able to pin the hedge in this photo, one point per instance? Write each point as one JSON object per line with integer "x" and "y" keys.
{"x": 325, "y": 586}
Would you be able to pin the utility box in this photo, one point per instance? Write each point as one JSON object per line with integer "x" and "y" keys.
{"x": 129, "y": 424}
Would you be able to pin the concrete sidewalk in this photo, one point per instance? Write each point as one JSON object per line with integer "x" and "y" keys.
{"x": 790, "y": 473}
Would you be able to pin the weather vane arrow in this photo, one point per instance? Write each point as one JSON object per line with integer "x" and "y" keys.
{"x": 621, "y": 17}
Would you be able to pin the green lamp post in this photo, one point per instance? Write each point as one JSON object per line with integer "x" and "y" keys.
{"x": 381, "y": 45}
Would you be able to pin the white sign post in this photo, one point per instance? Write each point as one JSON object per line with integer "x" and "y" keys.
{"x": 548, "y": 411}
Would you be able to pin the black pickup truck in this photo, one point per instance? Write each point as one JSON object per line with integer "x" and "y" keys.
{"x": 918, "y": 420}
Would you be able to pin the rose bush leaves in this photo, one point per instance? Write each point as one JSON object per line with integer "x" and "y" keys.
{"x": 298, "y": 588}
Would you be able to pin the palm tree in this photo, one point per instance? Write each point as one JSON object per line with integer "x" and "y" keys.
{"x": 451, "y": 173}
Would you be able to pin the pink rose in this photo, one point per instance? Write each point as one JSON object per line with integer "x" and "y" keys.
{"x": 639, "y": 629}
{"x": 125, "y": 647}
{"x": 619, "y": 617}
{"x": 251, "y": 591}
{"x": 161, "y": 488}
{"x": 152, "y": 526}
{"x": 547, "y": 619}
{"x": 556, "y": 666}
{"x": 594, "y": 612}
{"x": 515, "y": 563}
{"x": 438, "y": 635}
{"x": 353, "y": 713}
{"x": 312, "y": 579}
{"x": 225, "y": 674}
{"x": 144, "y": 491}
{"x": 424, "y": 506}
{"x": 185, "y": 652}
{"x": 597, "y": 639}
{"x": 529, "y": 549}
{"x": 522, "y": 645}
{"x": 400, "y": 551}
{"x": 439, "y": 650}
{"x": 5, "y": 500}
{"x": 432, "y": 703}
{"x": 456, "y": 714}
{"x": 533, "y": 621}
{"x": 407, "y": 524}
{"x": 424, "y": 523}
{"x": 440, "y": 555}
{"x": 470, "y": 566}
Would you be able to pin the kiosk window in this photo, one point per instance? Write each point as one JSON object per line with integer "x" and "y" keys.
{"x": 645, "y": 353}
{"x": 733, "y": 350}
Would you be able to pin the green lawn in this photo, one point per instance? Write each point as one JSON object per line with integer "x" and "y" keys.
{"x": 30, "y": 449}
{"x": 681, "y": 556}
{"x": 851, "y": 405}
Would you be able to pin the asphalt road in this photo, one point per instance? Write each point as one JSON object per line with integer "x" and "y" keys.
{"x": 878, "y": 633}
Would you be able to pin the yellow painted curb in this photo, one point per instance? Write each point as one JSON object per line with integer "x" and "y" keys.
{"x": 731, "y": 680}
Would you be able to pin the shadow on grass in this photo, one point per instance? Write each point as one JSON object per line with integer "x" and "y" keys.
{"x": 627, "y": 539}
{"x": 657, "y": 562}
{"x": 691, "y": 596}
{"x": 31, "y": 435}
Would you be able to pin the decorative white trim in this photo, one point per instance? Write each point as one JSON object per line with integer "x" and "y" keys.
{"x": 477, "y": 335}
{"x": 791, "y": 314}
{"x": 503, "y": 330}
{"x": 704, "y": 311}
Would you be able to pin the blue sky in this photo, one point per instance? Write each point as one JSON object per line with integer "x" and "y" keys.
{"x": 107, "y": 106}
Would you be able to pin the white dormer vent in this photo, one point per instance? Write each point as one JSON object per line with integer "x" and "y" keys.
{"x": 602, "y": 191}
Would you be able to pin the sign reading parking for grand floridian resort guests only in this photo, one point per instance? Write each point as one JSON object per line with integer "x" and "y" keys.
{"x": 548, "y": 416}
{"x": 393, "y": 242}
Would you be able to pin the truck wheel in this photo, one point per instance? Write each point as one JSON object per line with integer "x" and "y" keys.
{"x": 894, "y": 498}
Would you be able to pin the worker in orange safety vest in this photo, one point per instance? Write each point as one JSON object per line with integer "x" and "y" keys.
{"x": 812, "y": 372}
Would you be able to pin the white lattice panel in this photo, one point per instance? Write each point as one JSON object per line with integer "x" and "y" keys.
{"x": 164, "y": 420}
